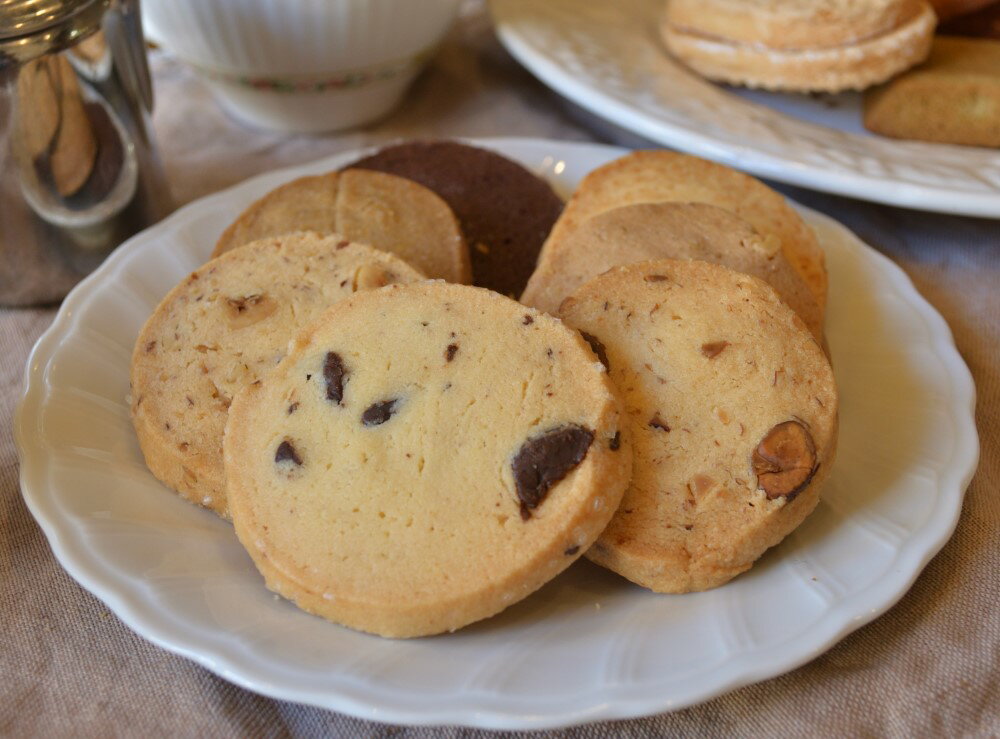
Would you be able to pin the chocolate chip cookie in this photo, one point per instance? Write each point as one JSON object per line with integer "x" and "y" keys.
{"x": 732, "y": 411}
{"x": 223, "y": 327}
{"x": 425, "y": 456}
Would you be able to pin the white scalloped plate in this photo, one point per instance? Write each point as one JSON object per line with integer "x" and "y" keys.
{"x": 607, "y": 58}
{"x": 589, "y": 645}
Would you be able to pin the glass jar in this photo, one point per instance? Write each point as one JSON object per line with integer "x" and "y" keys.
{"x": 79, "y": 171}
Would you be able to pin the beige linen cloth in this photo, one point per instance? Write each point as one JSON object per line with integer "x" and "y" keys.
{"x": 928, "y": 667}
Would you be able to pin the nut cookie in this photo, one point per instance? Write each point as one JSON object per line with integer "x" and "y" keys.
{"x": 223, "y": 327}
{"x": 732, "y": 411}
{"x": 425, "y": 456}
{"x": 505, "y": 210}
{"x": 658, "y": 176}
{"x": 650, "y": 231}
{"x": 390, "y": 213}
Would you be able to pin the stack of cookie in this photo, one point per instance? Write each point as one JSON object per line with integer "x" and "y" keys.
{"x": 917, "y": 85}
{"x": 704, "y": 293}
{"x": 406, "y": 455}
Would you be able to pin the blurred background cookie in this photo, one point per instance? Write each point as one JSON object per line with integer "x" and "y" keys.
{"x": 947, "y": 9}
{"x": 983, "y": 23}
{"x": 952, "y": 98}
{"x": 798, "y": 45}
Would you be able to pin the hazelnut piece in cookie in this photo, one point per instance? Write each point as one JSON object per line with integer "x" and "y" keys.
{"x": 785, "y": 460}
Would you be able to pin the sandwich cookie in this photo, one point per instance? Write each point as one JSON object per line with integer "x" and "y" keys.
{"x": 799, "y": 45}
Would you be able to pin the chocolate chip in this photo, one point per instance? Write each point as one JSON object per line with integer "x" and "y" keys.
{"x": 714, "y": 348}
{"x": 378, "y": 413}
{"x": 150, "y": 346}
{"x": 656, "y": 278}
{"x": 616, "y": 441}
{"x": 292, "y": 408}
{"x": 334, "y": 374}
{"x": 785, "y": 460}
{"x": 528, "y": 320}
{"x": 286, "y": 453}
{"x": 450, "y": 352}
{"x": 598, "y": 348}
{"x": 343, "y": 244}
{"x": 543, "y": 461}
{"x": 571, "y": 551}
{"x": 658, "y": 423}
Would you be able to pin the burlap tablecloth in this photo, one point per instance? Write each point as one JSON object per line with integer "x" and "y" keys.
{"x": 930, "y": 666}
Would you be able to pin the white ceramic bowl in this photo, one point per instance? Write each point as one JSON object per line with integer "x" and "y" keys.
{"x": 302, "y": 65}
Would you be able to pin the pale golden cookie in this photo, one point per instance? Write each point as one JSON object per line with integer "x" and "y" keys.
{"x": 798, "y": 45}
{"x": 953, "y": 98}
{"x": 648, "y": 231}
{"x": 424, "y": 457}
{"x": 732, "y": 412}
{"x": 657, "y": 176}
{"x": 223, "y": 327}
{"x": 388, "y": 212}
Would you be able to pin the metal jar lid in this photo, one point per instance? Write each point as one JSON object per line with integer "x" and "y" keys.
{"x": 31, "y": 28}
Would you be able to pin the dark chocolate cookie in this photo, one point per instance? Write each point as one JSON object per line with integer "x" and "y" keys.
{"x": 505, "y": 211}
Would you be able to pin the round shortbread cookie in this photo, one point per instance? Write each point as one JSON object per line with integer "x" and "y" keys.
{"x": 424, "y": 457}
{"x": 223, "y": 327}
{"x": 791, "y": 25}
{"x": 391, "y": 213}
{"x": 732, "y": 411}
{"x": 650, "y": 231}
{"x": 658, "y": 176}
{"x": 854, "y": 65}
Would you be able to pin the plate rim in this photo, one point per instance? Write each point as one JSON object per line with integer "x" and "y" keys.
{"x": 868, "y": 603}
{"x": 872, "y": 188}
